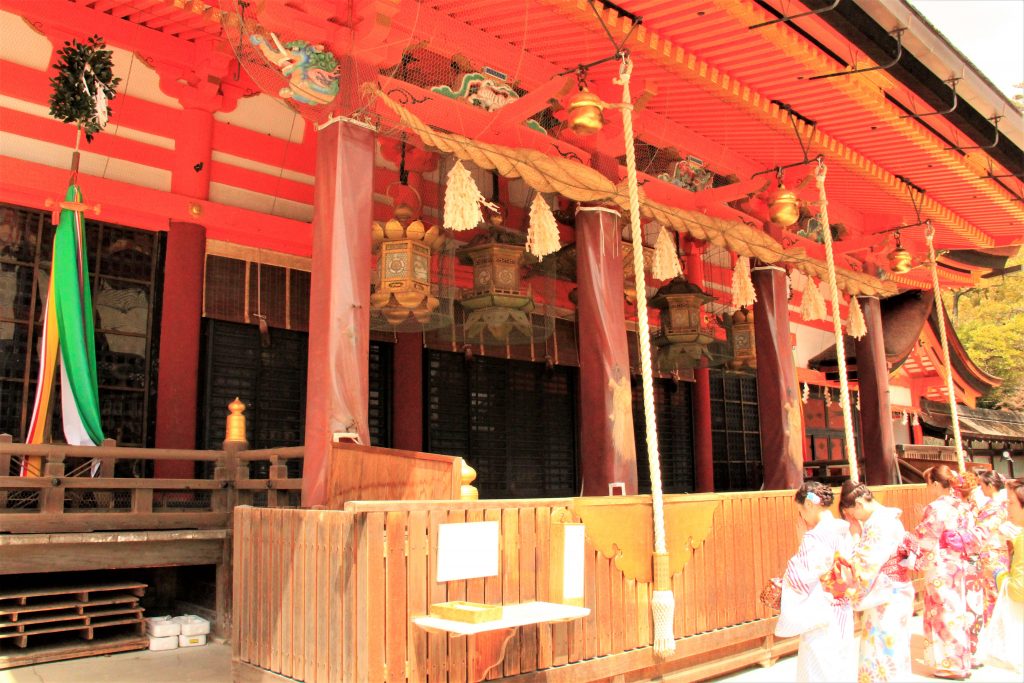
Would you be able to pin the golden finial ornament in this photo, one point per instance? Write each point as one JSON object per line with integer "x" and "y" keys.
{"x": 235, "y": 429}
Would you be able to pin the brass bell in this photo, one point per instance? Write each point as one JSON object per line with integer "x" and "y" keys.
{"x": 784, "y": 207}
{"x": 900, "y": 260}
{"x": 585, "y": 113}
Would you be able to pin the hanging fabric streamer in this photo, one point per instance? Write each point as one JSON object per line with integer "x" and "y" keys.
{"x": 812, "y": 306}
{"x": 542, "y": 236}
{"x": 742, "y": 286}
{"x": 462, "y": 200}
{"x": 662, "y": 599}
{"x": 940, "y": 313}
{"x": 666, "y": 260}
{"x": 837, "y": 326}
{"x": 855, "y": 325}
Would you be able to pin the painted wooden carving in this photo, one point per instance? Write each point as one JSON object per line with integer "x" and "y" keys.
{"x": 621, "y": 527}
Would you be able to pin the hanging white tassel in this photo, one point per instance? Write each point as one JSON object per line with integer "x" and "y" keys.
{"x": 742, "y": 286}
{"x": 462, "y": 200}
{"x": 666, "y": 261}
{"x": 855, "y": 325}
{"x": 812, "y": 307}
{"x": 806, "y": 394}
{"x": 542, "y": 236}
{"x": 663, "y": 605}
{"x": 904, "y": 419}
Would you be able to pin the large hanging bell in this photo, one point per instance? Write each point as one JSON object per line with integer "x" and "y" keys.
{"x": 784, "y": 207}
{"x": 900, "y": 260}
{"x": 585, "y": 117}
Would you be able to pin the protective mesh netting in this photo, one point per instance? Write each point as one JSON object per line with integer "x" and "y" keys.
{"x": 426, "y": 72}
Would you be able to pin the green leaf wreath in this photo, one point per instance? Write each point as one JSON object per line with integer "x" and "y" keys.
{"x": 83, "y": 85}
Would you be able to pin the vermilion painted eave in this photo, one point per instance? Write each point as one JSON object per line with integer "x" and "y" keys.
{"x": 29, "y": 184}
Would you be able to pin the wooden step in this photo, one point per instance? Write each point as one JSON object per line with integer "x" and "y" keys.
{"x": 72, "y": 650}
{"x": 83, "y": 615}
{"x": 13, "y": 611}
{"x": 82, "y": 591}
{"x": 86, "y": 629}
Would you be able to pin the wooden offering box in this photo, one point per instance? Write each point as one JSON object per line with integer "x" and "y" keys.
{"x": 469, "y": 612}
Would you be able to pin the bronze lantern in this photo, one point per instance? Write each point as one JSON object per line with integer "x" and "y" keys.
{"x": 402, "y": 290}
{"x": 744, "y": 351}
{"x": 783, "y": 207}
{"x": 496, "y": 304}
{"x": 585, "y": 113}
{"x": 685, "y": 330}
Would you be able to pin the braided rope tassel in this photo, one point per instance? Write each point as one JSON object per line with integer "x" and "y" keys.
{"x": 837, "y": 324}
{"x": 666, "y": 261}
{"x": 856, "y": 325}
{"x": 462, "y": 200}
{"x": 743, "y": 293}
{"x": 812, "y": 306}
{"x": 542, "y": 236}
{"x": 662, "y": 599}
{"x": 941, "y": 314}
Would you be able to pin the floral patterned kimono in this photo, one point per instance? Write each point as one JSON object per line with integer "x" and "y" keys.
{"x": 824, "y": 624}
{"x": 976, "y": 579}
{"x": 994, "y": 530}
{"x": 886, "y": 597}
{"x": 946, "y": 539}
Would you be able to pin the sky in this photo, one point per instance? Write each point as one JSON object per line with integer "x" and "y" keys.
{"x": 990, "y": 33}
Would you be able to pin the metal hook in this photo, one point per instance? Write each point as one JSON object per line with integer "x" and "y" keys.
{"x": 789, "y": 17}
{"x": 952, "y": 84}
{"x": 897, "y": 34}
{"x": 995, "y": 122}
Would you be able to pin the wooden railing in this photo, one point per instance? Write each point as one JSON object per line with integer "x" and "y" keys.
{"x": 58, "y": 501}
{"x": 329, "y": 595}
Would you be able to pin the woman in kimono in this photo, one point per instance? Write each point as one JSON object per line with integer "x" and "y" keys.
{"x": 970, "y": 492}
{"x": 945, "y": 538}
{"x": 995, "y": 530}
{"x": 824, "y": 623}
{"x": 883, "y": 589}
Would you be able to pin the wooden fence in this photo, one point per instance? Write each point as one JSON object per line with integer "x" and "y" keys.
{"x": 329, "y": 595}
{"x": 68, "y": 498}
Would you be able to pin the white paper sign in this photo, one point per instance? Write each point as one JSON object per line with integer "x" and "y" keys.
{"x": 572, "y": 577}
{"x": 467, "y": 551}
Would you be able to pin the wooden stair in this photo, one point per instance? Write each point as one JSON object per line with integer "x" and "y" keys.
{"x": 85, "y": 611}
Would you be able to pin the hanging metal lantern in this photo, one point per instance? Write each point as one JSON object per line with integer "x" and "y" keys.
{"x": 497, "y": 304}
{"x": 585, "y": 113}
{"x": 744, "y": 351}
{"x": 900, "y": 260}
{"x": 402, "y": 290}
{"x": 685, "y": 330}
{"x": 784, "y": 207}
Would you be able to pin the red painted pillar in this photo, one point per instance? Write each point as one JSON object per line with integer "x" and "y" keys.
{"x": 877, "y": 439}
{"x": 703, "y": 459}
{"x": 182, "y": 310}
{"x": 337, "y": 385}
{"x": 778, "y": 396}
{"x": 193, "y": 147}
{"x": 407, "y": 416}
{"x": 607, "y": 449}
{"x": 182, "y": 306}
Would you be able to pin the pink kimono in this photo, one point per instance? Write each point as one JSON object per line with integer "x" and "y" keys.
{"x": 946, "y": 539}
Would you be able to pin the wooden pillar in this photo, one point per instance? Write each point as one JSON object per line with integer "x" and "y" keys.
{"x": 778, "y": 396}
{"x": 407, "y": 410}
{"x": 607, "y": 449}
{"x": 193, "y": 149}
{"x": 703, "y": 458}
{"x": 877, "y": 439}
{"x": 182, "y": 310}
{"x": 337, "y": 386}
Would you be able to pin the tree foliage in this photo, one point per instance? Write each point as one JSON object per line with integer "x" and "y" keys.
{"x": 990, "y": 323}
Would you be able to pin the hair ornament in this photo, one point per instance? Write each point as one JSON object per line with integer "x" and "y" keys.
{"x": 814, "y": 497}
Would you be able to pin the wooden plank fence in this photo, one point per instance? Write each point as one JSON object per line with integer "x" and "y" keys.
{"x": 328, "y": 595}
